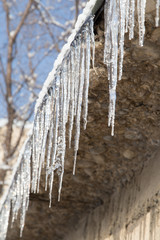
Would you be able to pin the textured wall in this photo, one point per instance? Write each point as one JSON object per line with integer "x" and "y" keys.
{"x": 133, "y": 211}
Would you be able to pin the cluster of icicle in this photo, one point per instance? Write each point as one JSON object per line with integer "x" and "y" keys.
{"x": 17, "y": 196}
{"x": 65, "y": 100}
{"x": 120, "y": 19}
{"x": 64, "y": 103}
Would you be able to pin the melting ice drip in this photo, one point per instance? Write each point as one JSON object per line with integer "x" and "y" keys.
{"x": 62, "y": 104}
{"x": 119, "y": 19}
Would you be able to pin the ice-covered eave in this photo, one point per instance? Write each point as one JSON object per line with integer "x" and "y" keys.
{"x": 90, "y": 9}
{"x": 52, "y": 102}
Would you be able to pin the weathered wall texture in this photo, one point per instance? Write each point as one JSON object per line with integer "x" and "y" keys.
{"x": 131, "y": 214}
{"x": 106, "y": 164}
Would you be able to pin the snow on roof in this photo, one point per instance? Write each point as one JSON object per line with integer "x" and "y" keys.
{"x": 88, "y": 10}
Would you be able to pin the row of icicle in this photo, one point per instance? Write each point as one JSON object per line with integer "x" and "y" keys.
{"x": 120, "y": 19}
{"x": 65, "y": 103}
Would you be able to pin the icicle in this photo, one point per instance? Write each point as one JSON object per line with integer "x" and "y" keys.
{"x": 41, "y": 152}
{"x": 68, "y": 81}
{"x": 18, "y": 193}
{"x": 63, "y": 126}
{"x": 55, "y": 137}
{"x": 72, "y": 97}
{"x": 25, "y": 183}
{"x": 35, "y": 160}
{"x": 78, "y": 116}
{"x": 111, "y": 54}
{"x": 87, "y": 69}
{"x": 50, "y": 142}
{"x": 126, "y": 15}
{"x": 157, "y": 13}
{"x": 77, "y": 71}
{"x": 141, "y": 6}
{"x": 92, "y": 40}
{"x": 55, "y": 130}
{"x": 122, "y": 32}
{"x": 131, "y": 19}
{"x": 17, "y": 200}
{"x": 4, "y": 219}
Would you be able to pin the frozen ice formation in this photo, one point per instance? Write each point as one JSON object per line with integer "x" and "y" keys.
{"x": 63, "y": 101}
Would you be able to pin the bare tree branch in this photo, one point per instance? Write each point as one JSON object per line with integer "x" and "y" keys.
{"x": 77, "y": 9}
{"x": 21, "y": 64}
{"x": 2, "y": 69}
{"x": 7, "y": 16}
{"x": 9, "y": 97}
{"x": 26, "y": 12}
{"x": 49, "y": 15}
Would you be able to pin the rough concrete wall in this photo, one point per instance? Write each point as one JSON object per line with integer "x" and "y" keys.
{"x": 133, "y": 212}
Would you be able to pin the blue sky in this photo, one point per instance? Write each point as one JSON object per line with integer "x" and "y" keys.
{"x": 33, "y": 42}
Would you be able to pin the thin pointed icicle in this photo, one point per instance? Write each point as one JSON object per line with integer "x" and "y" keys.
{"x": 50, "y": 138}
{"x": 4, "y": 219}
{"x": 126, "y": 15}
{"x": 78, "y": 116}
{"x": 131, "y": 19}
{"x": 25, "y": 182}
{"x": 17, "y": 201}
{"x": 34, "y": 155}
{"x": 42, "y": 132}
{"x": 157, "y": 13}
{"x": 68, "y": 80}
{"x": 92, "y": 40}
{"x": 111, "y": 55}
{"x": 37, "y": 145}
{"x": 87, "y": 69}
{"x": 58, "y": 162}
{"x": 46, "y": 110}
{"x": 49, "y": 112}
{"x": 64, "y": 103}
{"x": 77, "y": 72}
{"x": 122, "y": 32}
{"x": 141, "y": 6}
{"x": 72, "y": 97}
{"x": 55, "y": 138}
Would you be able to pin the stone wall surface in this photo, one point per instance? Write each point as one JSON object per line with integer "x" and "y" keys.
{"x": 131, "y": 214}
{"x": 105, "y": 164}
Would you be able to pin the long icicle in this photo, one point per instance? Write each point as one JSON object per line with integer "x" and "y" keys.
{"x": 111, "y": 54}
{"x": 79, "y": 103}
{"x": 87, "y": 69}
{"x": 157, "y": 13}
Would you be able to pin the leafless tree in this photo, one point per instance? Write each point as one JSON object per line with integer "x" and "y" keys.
{"x": 32, "y": 36}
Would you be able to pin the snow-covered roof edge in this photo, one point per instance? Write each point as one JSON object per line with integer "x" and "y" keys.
{"x": 91, "y": 7}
